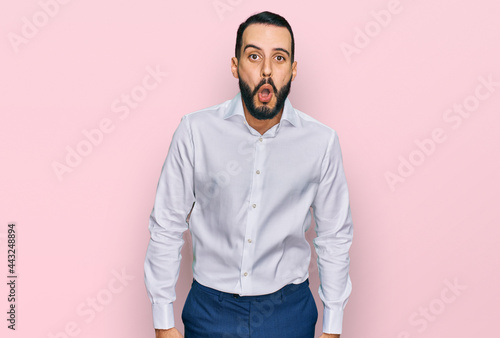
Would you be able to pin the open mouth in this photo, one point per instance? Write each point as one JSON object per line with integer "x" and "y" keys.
{"x": 265, "y": 93}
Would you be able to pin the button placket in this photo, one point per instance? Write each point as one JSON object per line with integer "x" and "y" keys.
{"x": 253, "y": 216}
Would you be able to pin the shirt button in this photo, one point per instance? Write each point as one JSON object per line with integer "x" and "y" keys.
{"x": 260, "y": 139}
{"x": 258, "y": 172}
{"x": 245, "y": 274}
{"x": 254, "y": 205}
{"x": 249, "y": 240}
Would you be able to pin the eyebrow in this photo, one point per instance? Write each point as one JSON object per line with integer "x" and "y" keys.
{"x": 254, "y": 46}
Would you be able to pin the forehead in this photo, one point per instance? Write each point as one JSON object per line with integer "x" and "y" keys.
{"x": 267, "y": 36}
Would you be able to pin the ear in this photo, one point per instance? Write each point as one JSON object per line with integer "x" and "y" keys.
{"x": 234, "y": 66}
{"x": 294, "y": 69}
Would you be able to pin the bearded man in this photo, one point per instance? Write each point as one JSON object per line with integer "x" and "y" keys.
{"x": 243, "y": 176}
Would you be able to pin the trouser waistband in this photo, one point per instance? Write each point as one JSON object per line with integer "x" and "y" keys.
{"x": 284, "y": 291}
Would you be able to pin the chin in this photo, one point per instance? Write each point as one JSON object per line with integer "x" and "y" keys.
{"x": 269, "y": 104}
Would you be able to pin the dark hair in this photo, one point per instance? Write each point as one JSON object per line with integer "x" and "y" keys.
{"x": 266, "y": 18}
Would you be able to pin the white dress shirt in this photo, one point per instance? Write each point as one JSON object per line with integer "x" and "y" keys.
{"x": 252, "y": 195}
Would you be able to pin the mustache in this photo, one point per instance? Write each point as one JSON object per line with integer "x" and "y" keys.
{"x": 263, "y": 82}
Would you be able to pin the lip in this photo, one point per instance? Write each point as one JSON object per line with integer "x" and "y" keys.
{"x": 266, "y": 86}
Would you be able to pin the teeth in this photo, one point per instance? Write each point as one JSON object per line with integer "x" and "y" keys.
{"x": 265, "y": 91}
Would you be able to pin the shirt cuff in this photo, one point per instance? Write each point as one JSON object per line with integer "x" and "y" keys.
{"x": 332, "y": 321}
{"x": 163, "y": 316}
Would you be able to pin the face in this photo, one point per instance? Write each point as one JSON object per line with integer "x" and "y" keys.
{"x": 264, "y": 70}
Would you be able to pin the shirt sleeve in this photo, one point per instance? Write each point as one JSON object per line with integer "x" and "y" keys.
{"x": 334, "y": 231}
{"x": 174, "y": 199}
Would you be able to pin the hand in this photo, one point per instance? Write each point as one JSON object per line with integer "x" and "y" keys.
{"x": 330, "y": 335}
{"x": 170, "y": 333}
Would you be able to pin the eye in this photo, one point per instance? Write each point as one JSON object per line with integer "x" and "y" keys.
{"x": 253, "y": 57}
{"x": 280, "y": 58}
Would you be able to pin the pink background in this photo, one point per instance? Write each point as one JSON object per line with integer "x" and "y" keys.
{"x": 437, "y": 227}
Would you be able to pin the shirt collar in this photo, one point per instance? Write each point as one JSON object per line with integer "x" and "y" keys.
{"x": 236, "y": 108}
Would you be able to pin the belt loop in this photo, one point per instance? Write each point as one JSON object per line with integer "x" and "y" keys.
{"x": 220, "y": 297}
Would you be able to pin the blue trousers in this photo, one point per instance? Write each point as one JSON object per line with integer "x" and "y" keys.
{"x": 289, "y": 312}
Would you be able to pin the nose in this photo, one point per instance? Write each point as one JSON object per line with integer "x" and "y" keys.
{"x": 266, "y": 70}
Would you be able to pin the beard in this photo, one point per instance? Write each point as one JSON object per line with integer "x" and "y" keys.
{"x": 264, "y": 112}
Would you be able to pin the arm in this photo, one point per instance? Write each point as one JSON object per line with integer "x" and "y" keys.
{"x": 167, "y": 223}
{"x": 334, "y": 231}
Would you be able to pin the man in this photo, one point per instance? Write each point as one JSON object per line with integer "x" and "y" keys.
{"x": 242, "y": 176}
